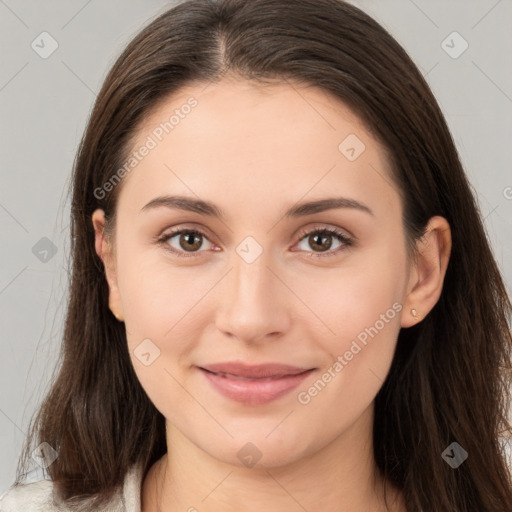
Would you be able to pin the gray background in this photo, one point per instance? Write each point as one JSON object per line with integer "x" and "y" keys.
{"x": 44, "y": 104}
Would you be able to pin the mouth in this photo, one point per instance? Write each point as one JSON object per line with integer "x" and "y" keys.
{"x": 240, "y": 377}
{"x": 260, "y": 371}
{"x": 254, "y": 385}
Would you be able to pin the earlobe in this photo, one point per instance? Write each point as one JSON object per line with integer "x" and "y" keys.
{"x": 103, "y": 250}
{"x": 428, "y": 272}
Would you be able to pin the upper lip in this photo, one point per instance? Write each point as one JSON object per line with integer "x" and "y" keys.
{"x": 254, "y": 371}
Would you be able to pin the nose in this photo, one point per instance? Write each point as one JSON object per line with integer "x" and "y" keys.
{"x": 254, "y": 302}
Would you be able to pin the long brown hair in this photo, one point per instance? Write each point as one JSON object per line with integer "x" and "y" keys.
{"x": 450, "y": 378}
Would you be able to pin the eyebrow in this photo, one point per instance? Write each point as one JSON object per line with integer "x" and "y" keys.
{"x": 297, "y": 210}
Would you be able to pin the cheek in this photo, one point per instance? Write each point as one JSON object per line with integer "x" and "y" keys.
{"x": 161, "y": 330}
{"x": 360, "y": 309}
{"x": 165, "y": 317}
{"x": 364, "y": 290}
{"x": 156, "y": 294}
{"x": 155, "y": 302}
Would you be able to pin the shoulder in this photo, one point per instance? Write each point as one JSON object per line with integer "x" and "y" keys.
{"x": 32, "y": 497}
{"x": 38, "y": 497}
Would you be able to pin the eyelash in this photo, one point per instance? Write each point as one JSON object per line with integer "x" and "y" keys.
{"x": 346, "y": 241}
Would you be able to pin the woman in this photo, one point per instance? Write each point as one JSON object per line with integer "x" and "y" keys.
{"x": 220, "y": 353}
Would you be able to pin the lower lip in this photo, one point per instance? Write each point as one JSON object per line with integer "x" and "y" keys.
{"x": 255, "y": 392}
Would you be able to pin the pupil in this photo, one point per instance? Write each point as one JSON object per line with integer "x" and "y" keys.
{"x": 190, "y": 239}
{"x": 323, "y": 238}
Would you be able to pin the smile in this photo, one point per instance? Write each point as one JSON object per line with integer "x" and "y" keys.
{"x": 255, "y": 385}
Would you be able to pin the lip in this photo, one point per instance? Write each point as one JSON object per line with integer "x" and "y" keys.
{"x": 254, "y": 384}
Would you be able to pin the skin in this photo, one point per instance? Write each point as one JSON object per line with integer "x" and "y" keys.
{"x": 255, "y": 151}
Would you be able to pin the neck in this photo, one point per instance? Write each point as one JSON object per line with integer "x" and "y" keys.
{"x": 340, "y": 477}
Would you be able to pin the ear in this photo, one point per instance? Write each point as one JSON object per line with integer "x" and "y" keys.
{"x": 104, "y": 251}
{"x": 428, "y": 271}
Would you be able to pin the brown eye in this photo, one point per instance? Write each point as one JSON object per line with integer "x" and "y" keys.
{"x": 321, "y": 241}
{"x": 190, "y": 241}
{"x": 184, "y": 241}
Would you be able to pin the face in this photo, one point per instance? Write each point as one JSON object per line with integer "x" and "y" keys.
{"x": 314, "y": 292}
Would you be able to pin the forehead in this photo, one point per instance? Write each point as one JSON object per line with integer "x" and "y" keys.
{"x": 253, "y": 140}
{"x": 249, "y": 108}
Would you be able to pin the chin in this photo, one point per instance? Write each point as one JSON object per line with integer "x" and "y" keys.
{"x": 257, "y": 449}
